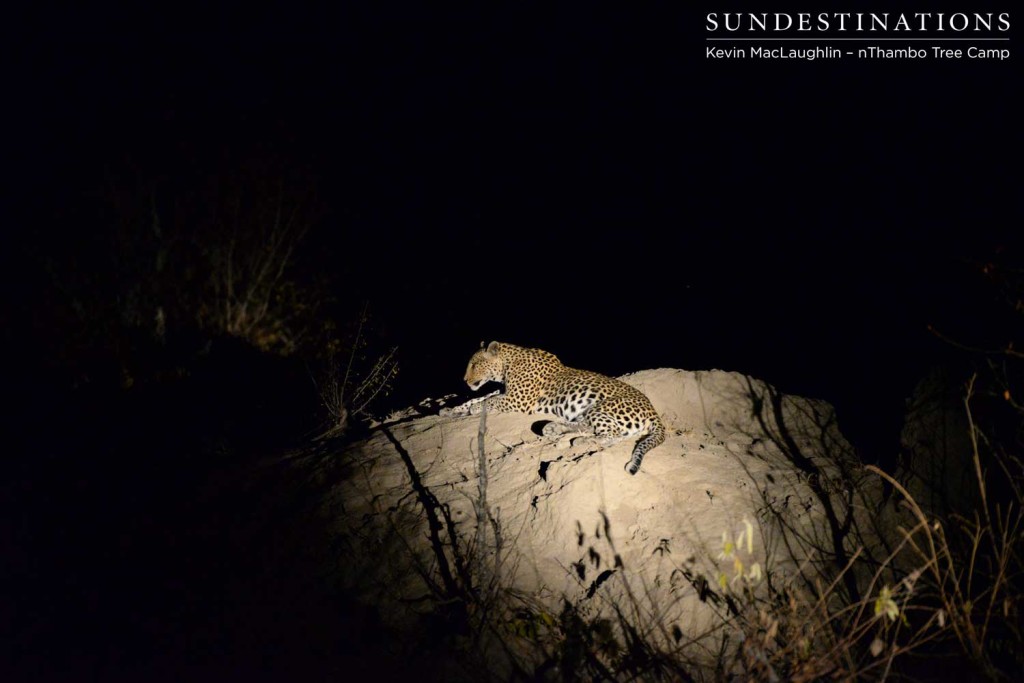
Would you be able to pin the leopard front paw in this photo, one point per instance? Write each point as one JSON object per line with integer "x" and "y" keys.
{"x": 454, "y": 411}
{"x": 553, "y": 429}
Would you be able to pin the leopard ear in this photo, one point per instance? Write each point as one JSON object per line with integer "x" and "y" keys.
{"x": 481, "y": 345}
{"x": 492, "y": 348}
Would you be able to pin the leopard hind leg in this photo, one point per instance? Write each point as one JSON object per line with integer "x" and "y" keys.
{"x": 653, "y": 438}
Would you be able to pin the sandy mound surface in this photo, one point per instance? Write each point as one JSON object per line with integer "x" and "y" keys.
{"x": 573, "y": 526}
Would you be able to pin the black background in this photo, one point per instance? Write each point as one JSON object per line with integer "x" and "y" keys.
{"x": 580, "y": 179}
{"x": 576, "y": 178}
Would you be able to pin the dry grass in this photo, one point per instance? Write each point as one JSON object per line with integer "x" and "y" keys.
{"x": 945, "y": 585}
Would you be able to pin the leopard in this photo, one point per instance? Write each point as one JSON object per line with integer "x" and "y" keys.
{"x": 536, "y": 382}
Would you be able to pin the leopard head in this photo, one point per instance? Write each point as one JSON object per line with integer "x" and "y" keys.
{"x": 485, "y": 366}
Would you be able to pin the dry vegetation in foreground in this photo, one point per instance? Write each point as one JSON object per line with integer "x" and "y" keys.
{"x": 944, "y": 601}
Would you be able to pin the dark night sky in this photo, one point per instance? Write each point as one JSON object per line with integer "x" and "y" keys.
{"x": 581, "y": 180}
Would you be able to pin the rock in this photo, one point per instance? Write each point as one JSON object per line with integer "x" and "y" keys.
{"x": 575, "y": 528}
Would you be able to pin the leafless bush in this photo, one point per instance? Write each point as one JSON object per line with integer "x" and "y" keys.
{"x": 348, "y": 386}
{"x": 219, "y": 248}
{"x": 250, "y": 253}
